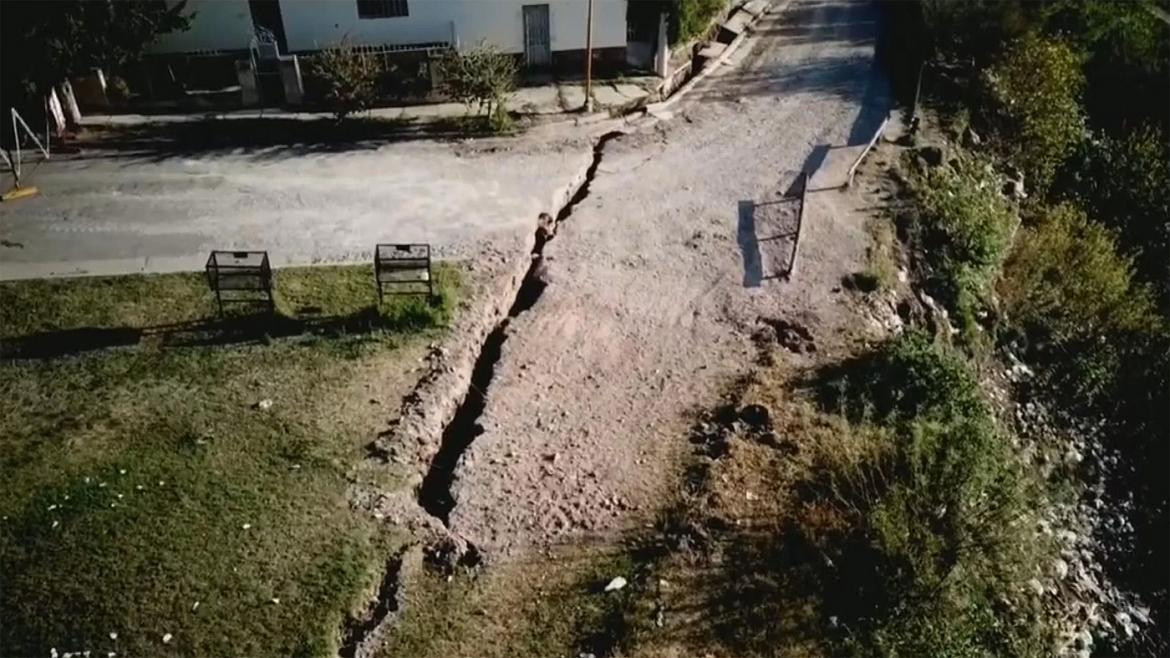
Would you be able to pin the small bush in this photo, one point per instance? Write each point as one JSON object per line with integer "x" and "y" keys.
{"x": 695, "y": 15}
{"x": 939, "y": 545}
{"x": 1066, "y": 278}
{"x": 483, "y": 77}
{"x": 350, "y": 76}
{"x": 909, "y": 377}
{"x": 965, "y": 228}
{"x": 1068, "y": 288}
{"x": 1033, "y": 91}
{"x": 1122, "y": 183}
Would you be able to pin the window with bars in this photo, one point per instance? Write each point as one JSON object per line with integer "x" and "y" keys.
{"x": 382, "y": 8}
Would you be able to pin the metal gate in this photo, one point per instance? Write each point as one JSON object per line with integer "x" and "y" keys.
{"x": 537, "y": 45}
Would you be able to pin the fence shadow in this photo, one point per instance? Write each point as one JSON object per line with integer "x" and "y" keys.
{"x": 749, "y": 245}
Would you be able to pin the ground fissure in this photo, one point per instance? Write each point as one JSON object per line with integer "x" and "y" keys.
{"x": 435, "y": 492}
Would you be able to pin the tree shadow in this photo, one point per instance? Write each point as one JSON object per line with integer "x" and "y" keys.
{"x": 246, "y": 326}
{"x": 272, "y": 138}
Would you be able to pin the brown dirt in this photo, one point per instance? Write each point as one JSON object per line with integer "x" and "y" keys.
{"x": 657, "y": 285}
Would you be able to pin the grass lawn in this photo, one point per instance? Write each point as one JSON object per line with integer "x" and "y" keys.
{"x": 541, "y": 605}
{"x": 149, "y": 505}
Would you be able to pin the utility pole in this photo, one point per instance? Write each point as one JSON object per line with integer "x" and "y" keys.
{"x": 589, "y": 59}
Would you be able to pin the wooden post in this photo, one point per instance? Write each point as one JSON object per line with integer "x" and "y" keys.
{"x": 589, "y": 58}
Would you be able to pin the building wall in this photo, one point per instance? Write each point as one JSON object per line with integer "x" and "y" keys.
{"x": 215, "y": 25}
{"x": 313, "y": 24}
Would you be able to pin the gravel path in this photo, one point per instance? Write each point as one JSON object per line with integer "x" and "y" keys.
{"x": 659, "y": 279}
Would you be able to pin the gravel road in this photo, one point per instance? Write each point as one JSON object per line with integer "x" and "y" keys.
{"x": 659, "y": 279}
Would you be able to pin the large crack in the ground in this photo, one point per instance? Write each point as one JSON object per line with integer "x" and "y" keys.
{"x": 435, "y": 493}
{"x": 357, "y": 631}
{"x": 361, "y": 635}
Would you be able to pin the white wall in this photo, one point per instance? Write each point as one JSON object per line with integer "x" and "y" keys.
{"x": 216, "y": 25}
{"x": 312, "y": 24}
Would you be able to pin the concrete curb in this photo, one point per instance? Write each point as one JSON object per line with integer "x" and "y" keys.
{"x": 687, "y": 86}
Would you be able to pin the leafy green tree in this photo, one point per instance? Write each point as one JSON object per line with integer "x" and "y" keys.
{"x": 1033, "y": 91}
{"x": 1126, "y": 52}
{"x": 45, "y": 42}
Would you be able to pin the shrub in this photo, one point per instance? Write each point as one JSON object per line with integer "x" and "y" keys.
{"x": 1033, "y": 90}
{"x": 940, "y": 545}
{"x": 350, "y": 76}
{"x": 907, "y": 378}
{"x": 484, "y": 77}
{"x": 1122, "y": 183}
{"x": 1068, "y": 288}
{"x": 695, "y": 15}
{"x": 1066, "y": 278}
{"x": 965, "y": 227}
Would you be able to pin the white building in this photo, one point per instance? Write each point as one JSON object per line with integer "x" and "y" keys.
{"x": 546, "y": 34}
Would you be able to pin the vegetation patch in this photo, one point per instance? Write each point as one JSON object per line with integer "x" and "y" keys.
{"x": 936, "y": 544}
{"x": 553, "y": 604}
{"x": 1033, "y": 99}
{"x": 964, "y": 230}
{"x": 1068, "y": 289}
{"x": 188, "y": 496}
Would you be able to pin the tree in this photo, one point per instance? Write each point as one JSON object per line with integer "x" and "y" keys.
{"x": 44, "y": 43}
{"x": 351, "y": 78}
{"x": 1126, "y": 50}
{"x": 483, "y": 76}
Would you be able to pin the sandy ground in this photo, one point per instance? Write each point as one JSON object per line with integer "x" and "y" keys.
{"x": 661, "y": 277}
{"x": 108, "y": 212}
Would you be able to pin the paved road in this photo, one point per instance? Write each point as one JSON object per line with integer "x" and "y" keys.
{"x": 107, "y": 212}
{"x": 665, "y": 277}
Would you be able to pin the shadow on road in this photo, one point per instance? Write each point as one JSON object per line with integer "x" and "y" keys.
{"x": 271, "y": 138}
{"x": 247, "y": 327}
{"x": 749, "y": 245}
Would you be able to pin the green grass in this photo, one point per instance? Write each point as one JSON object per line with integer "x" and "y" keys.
{"x": 881, "y": 265}
{"x": 546, "y": 605}
{"x": 141, "y": 480}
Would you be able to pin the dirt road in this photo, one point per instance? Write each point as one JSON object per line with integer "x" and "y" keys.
{"x": 660, "y": 279}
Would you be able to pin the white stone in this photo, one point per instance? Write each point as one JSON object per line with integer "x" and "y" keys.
{"x": 615, "y": 584}
{"x": 1036, "y": 586}
{"x": 166, "y": 638}
{"x": 1061, "y": 569}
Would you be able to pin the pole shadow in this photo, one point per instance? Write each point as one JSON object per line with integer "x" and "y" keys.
{"x": 749, "y": 245}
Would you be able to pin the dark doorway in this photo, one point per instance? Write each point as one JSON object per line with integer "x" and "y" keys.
{"x": 266, "y": 14}
{"x": 537, "y": 44}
